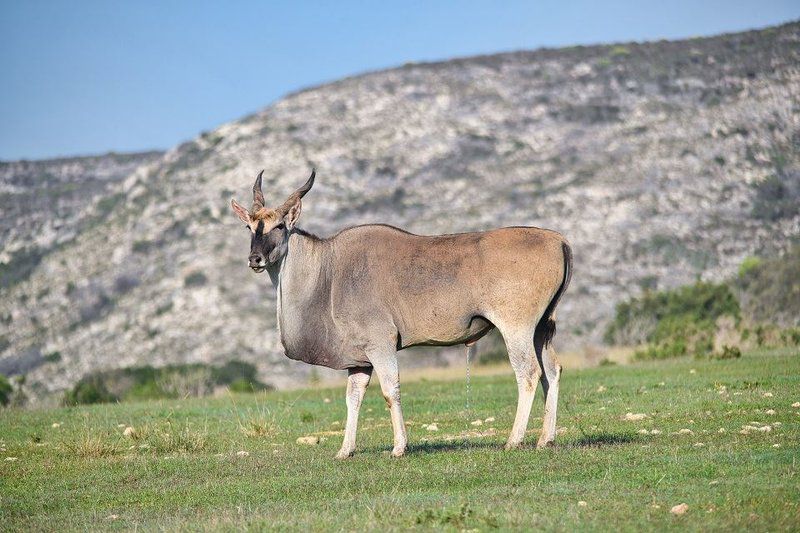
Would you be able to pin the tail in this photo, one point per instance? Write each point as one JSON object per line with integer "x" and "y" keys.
{"x": 546, "y": 328}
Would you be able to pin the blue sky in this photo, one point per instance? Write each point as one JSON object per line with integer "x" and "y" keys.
{"x": 89, "y": 77}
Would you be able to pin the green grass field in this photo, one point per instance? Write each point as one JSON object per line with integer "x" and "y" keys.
{"x": 233, "y": 462}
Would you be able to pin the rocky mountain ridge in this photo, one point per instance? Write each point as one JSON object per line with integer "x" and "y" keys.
{"x": 659, "y": 161}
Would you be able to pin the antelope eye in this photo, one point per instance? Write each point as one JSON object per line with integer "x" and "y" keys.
{"x": 279, "y": 226}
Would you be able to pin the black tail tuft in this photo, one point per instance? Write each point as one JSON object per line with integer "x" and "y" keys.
{"x": 546, "y": 328}
{"x": 545, "y": 331}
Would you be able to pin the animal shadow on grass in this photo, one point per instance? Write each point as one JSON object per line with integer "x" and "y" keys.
{"x": 454, "y": 445}
{"x": 597, "y": 440}
{"x": 420, "y": 448}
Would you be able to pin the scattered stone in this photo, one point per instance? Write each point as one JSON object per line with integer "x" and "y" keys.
{"x": 655, "y": 432}
{"x": 692, "y": 371}
{"x": 477, "y": 422}
{"x": 747, "y": 429}
{"x": 311, "y": 440}
{"x": 776, "y": 445}
{"x": 643, "y": 432}
{"x": 582, "y": 503}
{"x": 770, "y": 411}
{"x": 489, "y": 420}
{"x": 699, "y": 444}
{"x": 685, "y": 431}
{"x": 327, "y": 400}
{"x": 129, "y": 432}
{"x": 56, "y": 425}
{"x": 721, "y": 430}
{"x": 767, "y": 395}
{"x": 634, "y": 417}
{"x": 679, "y": 509}
{"x": 796, "y": 405}
{"x": 112, "y": 517}
{"x": 432, "y": 427}
{"x": 715, "y": 482}
{"x": 11, "y": 459}
{"x": 601, "y": 389}
{"x": 242, "y": 453}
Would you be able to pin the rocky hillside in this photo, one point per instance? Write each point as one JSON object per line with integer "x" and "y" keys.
{"x": 46, "y": 204}
{"x": 661, "y": 162}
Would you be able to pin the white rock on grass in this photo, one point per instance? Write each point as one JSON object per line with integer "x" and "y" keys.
{"x": 634, "y": 417}
{"x": 679, "y": 509}
{"x": 129, "y": 432}
{"x": 310, "y": 440}
{"x": 432, "y": 427}
{"x": 796, "y": 405}
{"x": 242, "y": 453}
{"x": 477, "y": 422}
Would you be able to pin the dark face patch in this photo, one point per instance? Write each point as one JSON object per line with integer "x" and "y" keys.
{"x": 267, "y": 248}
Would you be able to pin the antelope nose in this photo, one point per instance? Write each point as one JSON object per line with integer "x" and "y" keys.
{"x": 256, "y": 260}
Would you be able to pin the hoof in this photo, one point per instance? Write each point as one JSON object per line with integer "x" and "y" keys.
{"x": 545, "y": 444}
{"x": 344, "y": 454}
{"x": 398, "y": 452}
{"x": 512, "y": 446}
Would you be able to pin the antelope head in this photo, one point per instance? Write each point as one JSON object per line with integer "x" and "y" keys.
{"x": 270, "y": 227}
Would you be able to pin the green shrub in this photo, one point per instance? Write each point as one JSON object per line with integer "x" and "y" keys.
{"x": 661, "y": 315}
{"x": 728, "y": 352}
{"x": 673, "y": 323}
{"x": 195, "y": 279}
{"x": 20, "y": 266}
{"x": 173, "y": 381}
{"x": 748, "y": 264}
{"x": 5, "y": 390}
{"x": 769, "y": 289}
{"x": 87, "y": 391}
{"x": 777, "y": 197}
{"x": 53, "y": 357}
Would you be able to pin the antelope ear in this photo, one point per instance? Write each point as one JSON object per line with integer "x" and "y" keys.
{"x": 242, "y": 213}
{"x": 293, "y": 214}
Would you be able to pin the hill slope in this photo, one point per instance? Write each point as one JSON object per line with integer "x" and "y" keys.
{"x": 658, "y": 161}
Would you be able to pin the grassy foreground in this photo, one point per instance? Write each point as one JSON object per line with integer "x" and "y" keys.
{"x": 695, "y": 435}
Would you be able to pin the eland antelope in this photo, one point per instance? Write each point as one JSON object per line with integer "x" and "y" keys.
{"x": 351, "y": 301}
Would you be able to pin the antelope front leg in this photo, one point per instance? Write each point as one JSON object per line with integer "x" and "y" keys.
{"x": 357, "y": 381}
{"x": 389, "y": 376}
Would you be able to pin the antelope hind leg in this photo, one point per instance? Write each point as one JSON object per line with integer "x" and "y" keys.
{"x": 527, "y": 371}
{"x": 550, "y": 377}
